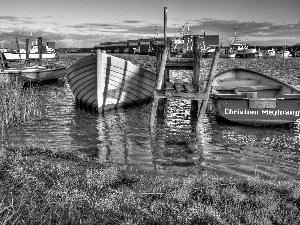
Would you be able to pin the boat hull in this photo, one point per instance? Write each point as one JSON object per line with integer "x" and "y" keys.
{"x": 31, "y": 74}
{"x": 248, "y": 97}
{"x": 238, "y": 111}
{"x": 105, "y": 82}
{"x": 246, "y": 56}
{"x": 9, "y": 56}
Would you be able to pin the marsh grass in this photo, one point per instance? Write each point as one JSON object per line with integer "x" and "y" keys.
{"x": 18, "y": 105}
{"x": 41, "y": 186}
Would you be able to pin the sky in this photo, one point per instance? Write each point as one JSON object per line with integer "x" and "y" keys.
{"x": 86, "y": 23}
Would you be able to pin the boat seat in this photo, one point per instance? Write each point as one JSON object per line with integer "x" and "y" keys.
{"x": 289, "y": 96}
{"x": 248, "y": 88}
{"x": 228, "y": 96}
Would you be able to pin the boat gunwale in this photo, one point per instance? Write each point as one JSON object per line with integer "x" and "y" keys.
{"x": 257, "y": 73}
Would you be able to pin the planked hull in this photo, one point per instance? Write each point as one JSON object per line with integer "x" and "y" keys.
{"x": 104, "y": 82}
{"x": 32, "y": 74}
{"x": 252, "y": 98}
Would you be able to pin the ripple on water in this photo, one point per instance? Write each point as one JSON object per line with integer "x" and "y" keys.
{"x": 172, "y": 147}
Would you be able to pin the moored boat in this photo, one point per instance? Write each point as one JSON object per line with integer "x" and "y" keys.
{"x": 269, "y": 53}
{"x": 105, "y": 82}
{"x": 283, "y": 54}
{"x": 32, "y": 74}
{"x": 14, "y": 56}
{"x": 241, "y": 50}
{"x": 249, "y": 97}
{"x": 227, "y": 53}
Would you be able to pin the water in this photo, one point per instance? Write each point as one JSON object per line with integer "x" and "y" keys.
{"x": 171, "y": 148}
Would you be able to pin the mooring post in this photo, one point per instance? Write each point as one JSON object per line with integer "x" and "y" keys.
{"x": 196, "y": 70}
{"x": 40, "y": 49}
{"x": 208, "y": 87}
{"x": 27, "y": 51}
{"x": 162, "y": 68}
{"x": 165, "y": 25}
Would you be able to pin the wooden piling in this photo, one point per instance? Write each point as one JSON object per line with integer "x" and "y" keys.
{"x": 202, "y": 108}
{"x": 40, "y": 49}
{"x": 196, "y": 70}
{"x": 27, "y": 51}
{"x": 165, "y": 25}
{"x": 2, "y": 61}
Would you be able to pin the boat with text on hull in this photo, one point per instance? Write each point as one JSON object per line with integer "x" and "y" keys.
{"x": 249, "y": 97}
{"x": 105, "y": 82}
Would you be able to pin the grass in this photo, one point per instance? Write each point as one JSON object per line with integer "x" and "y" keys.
{"x": 40, "y": 186}
{"x": 18, "y": 105}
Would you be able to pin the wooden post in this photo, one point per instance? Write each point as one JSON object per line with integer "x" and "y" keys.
{"x": 99, "y": 79}
{"x": 208, "y": 87}
{"x": 196, "y": 70}
{"x": 162, "y": 68}
{"x": 158, "y": 60}
{"x": 18, "y": 49}
{"x": 167, "y": 72}
{"x": 165, "y": 25}
{"x": 2, "y": 62}
{"x": 196, "y": 62}
{"x": 27, "y": 50}
{"x": 40, "y": 49}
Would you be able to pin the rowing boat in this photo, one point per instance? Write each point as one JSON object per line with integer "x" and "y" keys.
{"x": 31, "y": 74}
{"x": 249, "y": 97}
{"x": 105, "y": 82}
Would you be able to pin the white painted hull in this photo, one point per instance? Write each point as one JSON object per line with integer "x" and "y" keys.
{"x": 284, "y": 54}
{"x": 31, "y": 74}
{"x": 248, "y": 97}
{"x": 15, "y": 56}
{"x": 104, "y": 82}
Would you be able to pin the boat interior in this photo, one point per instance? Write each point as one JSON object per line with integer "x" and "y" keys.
{"x": 237, "y": 86}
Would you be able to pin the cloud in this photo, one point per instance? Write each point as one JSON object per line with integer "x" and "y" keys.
{"x": 90, "y": 34}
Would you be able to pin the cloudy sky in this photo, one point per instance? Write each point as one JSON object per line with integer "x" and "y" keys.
{"x": 85, "y": 23}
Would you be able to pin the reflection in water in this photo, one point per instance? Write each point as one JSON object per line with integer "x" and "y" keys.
{"x": 176, "y": 147}
{"x": 171, "y": 147}
{"x": 249, "y": 151}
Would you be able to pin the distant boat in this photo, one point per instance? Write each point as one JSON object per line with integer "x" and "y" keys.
{"x": 227, "y": 53}
{"x": 248, "y": 97}
{"x": 283, "y": 54}
{"x": 49, "y": 53}
{"x": 269, "y": 53}
{"x": 31, "y": 74}
{"x": 105, "y": 82}
{"x": 241, "y": 50}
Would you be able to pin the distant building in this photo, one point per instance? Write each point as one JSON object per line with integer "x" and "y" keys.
{"x": 209, "y": 40}
{"x": 51, "y": 44}
{"x": 149, "y": 46}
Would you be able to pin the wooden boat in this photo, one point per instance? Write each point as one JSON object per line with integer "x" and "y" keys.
{"x": 31, "y": 74}
{"x": 104, "y": 82}
{"x": 248, "y": 97}
{"x": 13, "y": 56}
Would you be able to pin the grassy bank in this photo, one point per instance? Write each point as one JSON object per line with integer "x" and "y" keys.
{"x": 42, "y": 186}
{"x": 18, "y": 105}
{"x": 39, "y": 186}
